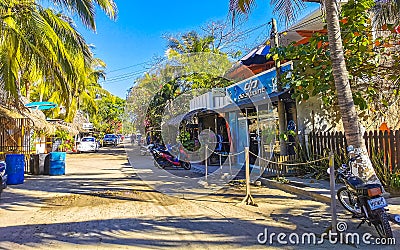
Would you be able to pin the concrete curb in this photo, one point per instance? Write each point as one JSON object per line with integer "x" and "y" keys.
{"x": 295, "y": 190}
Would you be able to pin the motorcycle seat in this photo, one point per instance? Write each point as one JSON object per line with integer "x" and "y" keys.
{"x": 358, "y": 183}
{"x": 355, "y": 182}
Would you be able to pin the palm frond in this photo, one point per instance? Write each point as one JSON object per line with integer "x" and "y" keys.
{"x": 287, "y": 10}
{"x": 240, "y": 8}
{"x": 86, "y": 9}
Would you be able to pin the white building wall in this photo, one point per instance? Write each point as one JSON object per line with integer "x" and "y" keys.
{"x": 214, "y": 99}
{"x": 311, "y": 117}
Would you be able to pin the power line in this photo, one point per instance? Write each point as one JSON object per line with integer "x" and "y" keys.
{"x": 253, "y": 29}
{"x": 124, "y": 75}
{"x": 133, "y": 74}
{"x": 134, "y": 65}
{"x": 123, "y": 78}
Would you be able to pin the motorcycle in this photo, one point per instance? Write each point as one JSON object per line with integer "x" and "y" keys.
{"x": 163, "y": 158}
{"x": 146, "y": 150}
{"x": 3, "y": 176}
{"x": 365, "y": 201}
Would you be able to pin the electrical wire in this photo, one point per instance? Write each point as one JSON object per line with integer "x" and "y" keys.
{"x": 125, "y": 77}
{"x": 130, "y": 75}
{"x": 131, "y": 66}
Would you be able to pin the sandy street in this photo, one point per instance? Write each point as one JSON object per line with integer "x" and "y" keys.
{"x": 101, "y": 203}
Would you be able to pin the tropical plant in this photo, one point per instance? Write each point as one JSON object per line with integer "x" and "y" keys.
{"x": 108, "y": 118}
{"x": 287, "y": 9}
{"x": 194, "y": 63}
{"x": 39, "y": 45}
{"x": 371, "y": 65}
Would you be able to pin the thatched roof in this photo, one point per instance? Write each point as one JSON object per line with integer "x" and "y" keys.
{"x": 37, "y": 117}
{"x": 68, "y": 127}
{"x": 79, "y": 119}
{"x": 39, "y": 121}
{"x": 10, "y": 114}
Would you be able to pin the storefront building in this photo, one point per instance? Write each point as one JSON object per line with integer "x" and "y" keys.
{"x": 245, "y": 115}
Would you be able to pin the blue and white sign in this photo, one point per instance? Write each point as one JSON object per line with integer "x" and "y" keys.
{"x": 256, "y": 87}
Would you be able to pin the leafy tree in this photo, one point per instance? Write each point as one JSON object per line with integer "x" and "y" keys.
{"x": 193, "y": 63}
{"x": 287, "y": 9}
{"x": 40, "y": 45}
{"x": 110, "y": 114}
{"x": 312, "y": 71}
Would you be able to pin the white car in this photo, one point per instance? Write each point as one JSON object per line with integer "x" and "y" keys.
{"x": 88, "y": 144}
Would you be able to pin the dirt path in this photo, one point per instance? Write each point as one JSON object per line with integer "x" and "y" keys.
{"x": 102, "y": 204}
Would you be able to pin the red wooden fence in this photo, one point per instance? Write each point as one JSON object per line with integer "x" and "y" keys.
{"x": 382, "y": 143}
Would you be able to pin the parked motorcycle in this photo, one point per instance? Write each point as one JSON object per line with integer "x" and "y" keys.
{"x": 364, "y": 201}
{"x": 146, "y": 150}
{"x": 3, "y": 176}
{"x": 163, "y": 158}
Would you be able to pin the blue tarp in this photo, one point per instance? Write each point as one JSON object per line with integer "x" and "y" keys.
{"x": 257, "y": 56}
{"x": 41, "y": 105}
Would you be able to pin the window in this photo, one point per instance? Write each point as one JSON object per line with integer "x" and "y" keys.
{"x": 88, "y": 139}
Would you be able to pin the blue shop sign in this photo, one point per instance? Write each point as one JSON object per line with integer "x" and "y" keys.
{"x": 256, "y": 87}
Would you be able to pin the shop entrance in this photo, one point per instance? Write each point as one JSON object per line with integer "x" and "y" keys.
{"x": 254, "y": 133}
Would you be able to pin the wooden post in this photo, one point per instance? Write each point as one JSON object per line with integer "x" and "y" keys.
{"x": 230, "y": 164}
{"x": 333, "y": 190}
{"x": 206, "y": 154}
{"x": 248, "y": 199}
{"x": 220, "y": 160}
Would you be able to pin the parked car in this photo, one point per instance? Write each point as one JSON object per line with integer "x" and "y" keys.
{"x": 110, "y": 139}
{"x": 3, "y": 176}
{"x": 88, "y": 144}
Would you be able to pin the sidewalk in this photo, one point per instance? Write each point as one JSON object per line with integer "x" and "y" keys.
{"x": 318, "y": 190}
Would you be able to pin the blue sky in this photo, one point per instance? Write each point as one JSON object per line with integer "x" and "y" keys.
{"x": 136, "y": 36}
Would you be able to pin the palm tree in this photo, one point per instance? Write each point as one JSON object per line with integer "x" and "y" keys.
{"x": 38, "y": 44}
{"x": 86, "y": 9}
{"x": 287, "y": 9}
{"x": 37, "y": 39}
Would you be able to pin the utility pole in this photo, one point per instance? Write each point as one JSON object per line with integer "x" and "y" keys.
{"x": 281, "y": 104}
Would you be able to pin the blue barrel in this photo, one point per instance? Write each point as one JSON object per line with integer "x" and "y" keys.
{"x": 57, "y": 163}
{"x": 15, "y": 168}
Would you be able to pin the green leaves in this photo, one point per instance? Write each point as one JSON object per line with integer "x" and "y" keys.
{"x": 312, "y": 68}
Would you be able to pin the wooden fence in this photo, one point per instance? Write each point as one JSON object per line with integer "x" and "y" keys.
{"x": 15, "y": 138}
{"x": 273, "y": 166}
{"x": 386, "y": 144}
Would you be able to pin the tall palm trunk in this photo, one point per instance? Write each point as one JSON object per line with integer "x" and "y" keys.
{"x": 348, "y": 111}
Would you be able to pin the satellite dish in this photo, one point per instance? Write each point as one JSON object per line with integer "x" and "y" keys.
{"x": 41, "y": 105}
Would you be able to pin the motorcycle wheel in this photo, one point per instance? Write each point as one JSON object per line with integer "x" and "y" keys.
{"x": 186, "y": 165}
{"x": 382, "y": 225}
{"x": 1, "y": 186}
{"x": 347, "y": 199}
{"x": 156, "y": 164}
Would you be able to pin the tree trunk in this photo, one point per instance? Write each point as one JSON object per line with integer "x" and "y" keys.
{"x": 348, "y": 111}
{"x": 281, "y": 105}
{"x": 282, "y": 127}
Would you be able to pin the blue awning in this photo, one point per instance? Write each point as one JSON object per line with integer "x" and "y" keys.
{"x": 41, "y": 105}
{"x": 256, "y": 56}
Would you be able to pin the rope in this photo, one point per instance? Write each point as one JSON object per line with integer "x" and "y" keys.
{"x": 290, "y": 164}
{"x": 229, "y": 154}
